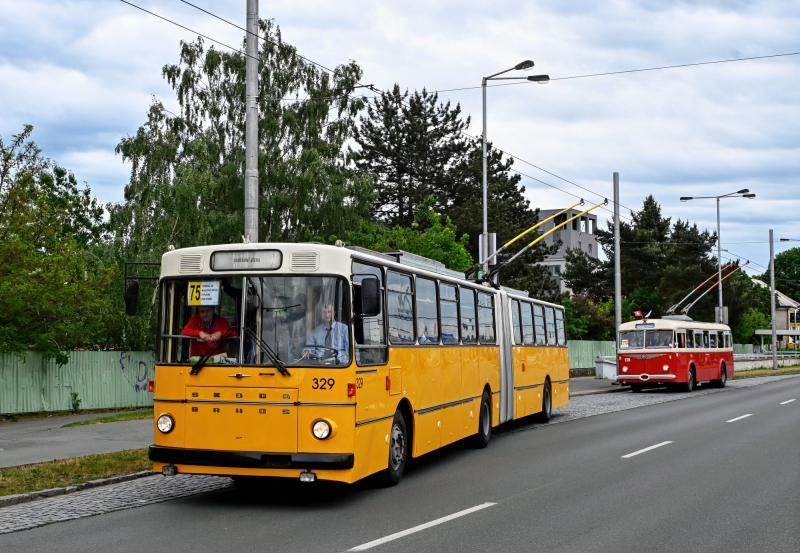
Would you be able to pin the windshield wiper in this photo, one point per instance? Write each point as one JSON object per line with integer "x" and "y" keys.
{"x": 270, "y": 353}
{"x": 202, "y": 361}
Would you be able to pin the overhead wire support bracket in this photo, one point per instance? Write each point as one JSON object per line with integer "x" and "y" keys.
{"x": 488, "y": 277}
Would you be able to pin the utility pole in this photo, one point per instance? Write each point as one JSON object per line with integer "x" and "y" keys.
{"x": 251, "y": 126}
{"x": 617, "y": 270}
{"x": 772, "y": 301}
{"x": 720, "y": 318}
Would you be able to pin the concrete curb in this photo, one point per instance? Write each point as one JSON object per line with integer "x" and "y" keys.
{"x": 8, "y": 500}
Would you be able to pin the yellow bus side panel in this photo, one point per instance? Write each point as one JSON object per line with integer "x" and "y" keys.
{"x": 371, "y": 448}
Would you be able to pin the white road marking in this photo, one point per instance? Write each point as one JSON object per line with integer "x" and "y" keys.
{"x": 392, "y": 537}
{"x": 645, "y": 449}
{"x": 740, "y": 418}
{"x": 785, "y": 402}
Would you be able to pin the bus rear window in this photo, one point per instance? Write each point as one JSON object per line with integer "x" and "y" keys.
{"x": 631, "y": 339}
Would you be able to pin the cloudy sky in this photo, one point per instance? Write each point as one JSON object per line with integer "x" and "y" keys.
{"x": 84, "y": 72}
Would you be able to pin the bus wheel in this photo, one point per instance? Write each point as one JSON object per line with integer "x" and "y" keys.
{"x": 637, "y": 388}
{"x": 547, "y": 404}
{"x": 688, "y": 386}
{"x": 398, "y": 451}
{"x": 484, "y": 422}
{"x": 723, "y": 378}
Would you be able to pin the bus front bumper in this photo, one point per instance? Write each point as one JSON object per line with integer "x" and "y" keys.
{"x": 250, "y": 459}
{"x": 644, "y": 377}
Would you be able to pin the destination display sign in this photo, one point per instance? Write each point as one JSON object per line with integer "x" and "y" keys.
{"x": 204, "y": 292}
{"x": 246, "y": 260}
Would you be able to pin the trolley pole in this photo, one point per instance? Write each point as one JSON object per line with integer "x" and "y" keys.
{"x": 772, "y": 301}
{"x": 251, "y": 126}
{"x": 617, "y": 270}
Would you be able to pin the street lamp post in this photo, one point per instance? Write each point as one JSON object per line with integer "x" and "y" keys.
{"x": 541, "y": 79}
{"x": 744, "y": 193}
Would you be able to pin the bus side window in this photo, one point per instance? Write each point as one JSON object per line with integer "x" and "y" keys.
{"x": 515, "y": 322}
{"x": 427, "y": 311}
{"x": 550, "y": 320}
{"x": 681, "y": 339}
{"x": 698, "y": 339}
{"x": 527, "y": 324}
{"x": 469, "y": 323}
{"x": 712, "y": 339}
{"x": 448, "y": 307}
{"x": 705, "y": 339}
{"x": 689, "y": 339}
{"x": 560, "y": 331}
{"x": 720, "y": 339}
{"x": 369, "y": 332}
{"x": 486, "y": 318}
{"x": 727, "y": 340}
{"x": 399, "y": 308}
{"x": 538, "y": 324}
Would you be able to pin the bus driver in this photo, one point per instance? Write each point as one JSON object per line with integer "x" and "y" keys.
{"x": 331, "y": 334}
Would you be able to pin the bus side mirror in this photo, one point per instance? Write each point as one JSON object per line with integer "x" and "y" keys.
{"x": 370, "y": 297}
{"x": 132, "y": 298}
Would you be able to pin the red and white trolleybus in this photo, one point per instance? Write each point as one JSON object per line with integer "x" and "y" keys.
{"x": 675, "y": 351}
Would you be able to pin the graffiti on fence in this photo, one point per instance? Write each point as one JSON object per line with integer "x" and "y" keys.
{"x": 136, "y": 372}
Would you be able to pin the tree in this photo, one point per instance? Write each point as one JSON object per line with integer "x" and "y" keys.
{"x": 52, "y": 282}
{"x": 744, "y": 331}
{"x": 412, "y": 143}
{"x": 787, "y": 273}
{"x": 187, "y": 178}
{"x": 417, "y": 148}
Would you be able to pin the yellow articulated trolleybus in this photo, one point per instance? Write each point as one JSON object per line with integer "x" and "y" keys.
{"x": 322, "y": 362}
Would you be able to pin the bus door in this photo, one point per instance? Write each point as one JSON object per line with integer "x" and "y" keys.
{"x": 506, "y": 362}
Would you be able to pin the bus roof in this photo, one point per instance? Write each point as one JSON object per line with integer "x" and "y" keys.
{"x": 671, "y": 324}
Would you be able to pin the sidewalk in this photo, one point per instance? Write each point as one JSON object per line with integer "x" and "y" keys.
{"x": 37, "y": 440}
{"x": 588, "y": 385}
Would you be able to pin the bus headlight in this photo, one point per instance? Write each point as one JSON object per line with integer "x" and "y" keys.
{"x": 665, "y": 367}
{"x": 321, "y": 429}
{"x": 624, "y": 369}
{"x": 165, "y": 424}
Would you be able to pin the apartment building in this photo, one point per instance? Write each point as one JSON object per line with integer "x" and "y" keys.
{"x": 579, "y": 234}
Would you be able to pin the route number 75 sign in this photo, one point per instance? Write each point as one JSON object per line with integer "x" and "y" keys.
{"x": 204, "y": 292}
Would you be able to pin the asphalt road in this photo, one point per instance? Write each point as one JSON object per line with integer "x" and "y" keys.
{"x": 715, "y": 483}
{"x": 37, "y": 440}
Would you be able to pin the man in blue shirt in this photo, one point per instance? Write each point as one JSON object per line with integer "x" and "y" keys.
{"x": 331, "y": 334}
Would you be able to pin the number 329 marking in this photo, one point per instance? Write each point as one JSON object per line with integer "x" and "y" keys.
{"x": 322, "y": 383}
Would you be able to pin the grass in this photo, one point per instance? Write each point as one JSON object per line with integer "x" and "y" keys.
{"x": 67, "y": 472}
{"x": 765, "y": 372}
{"x": 124, "y": 416}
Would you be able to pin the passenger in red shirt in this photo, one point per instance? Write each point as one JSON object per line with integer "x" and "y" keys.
{"x": 210, "y": 328}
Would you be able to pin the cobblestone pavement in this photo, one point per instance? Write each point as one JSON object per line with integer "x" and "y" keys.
{"x": 96, "y": 501}
{"x": 154, "y": 489}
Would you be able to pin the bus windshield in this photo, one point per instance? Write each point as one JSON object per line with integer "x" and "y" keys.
{"x": 659, "y": 339}
{"x": 253, "y": 320}
{"x": 631, "y": 339}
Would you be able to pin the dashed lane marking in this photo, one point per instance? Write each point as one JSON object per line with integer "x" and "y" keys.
{"x": 397, "y": 535}
{"x": 645, "y": 449}
{"x": 740, "y": 418}
{"x": 785, "y": 402}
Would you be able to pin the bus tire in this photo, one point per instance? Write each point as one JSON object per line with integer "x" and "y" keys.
{"x": 398, "y": 450}
{"x": 688, "y": 386}
{"x": 723, "y": 377}
{"x": 547, "y": 403}
{"x": 484, "y": 434}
